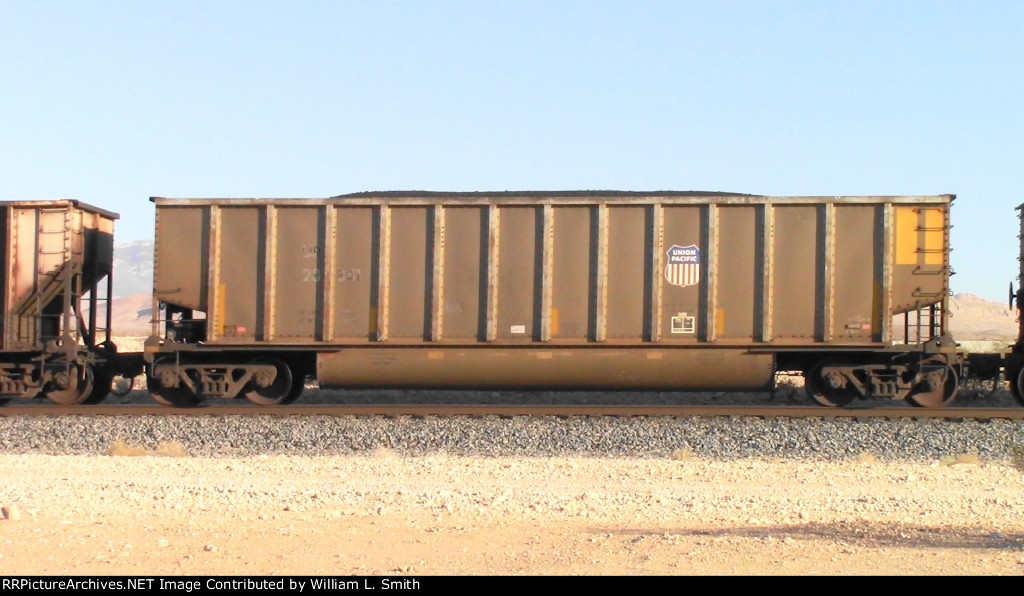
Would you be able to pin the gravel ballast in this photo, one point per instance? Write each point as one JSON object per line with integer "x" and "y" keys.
{"x": 719, "y": 438}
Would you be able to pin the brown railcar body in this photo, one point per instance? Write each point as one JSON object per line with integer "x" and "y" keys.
{"x": 609, "y": 290}
{"x": 55, "y": 336}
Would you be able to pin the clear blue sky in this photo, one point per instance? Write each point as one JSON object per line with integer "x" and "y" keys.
{"x": 113, "y": 102}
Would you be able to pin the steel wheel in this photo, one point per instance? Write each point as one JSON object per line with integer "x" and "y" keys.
{"x": 101, "y": 386}
{"x": 79, "y": 381}
{"x": 281, "y": 391}
{"x": 944, "y": 390}
{"x": 298, "y": 386}
{"x": 1017, "y": 386}
{"x": 175, "y": 397}
{"x": 824, "y": 394}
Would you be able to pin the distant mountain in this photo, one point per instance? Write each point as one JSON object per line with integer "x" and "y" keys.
{"x": 974, "y": 318}
{"x": 133, "y": 287}
{"x": 132, "y": 315}
{"x": 133, "y": 268}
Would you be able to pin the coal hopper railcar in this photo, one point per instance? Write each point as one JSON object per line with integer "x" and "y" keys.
{"x": 581, "y": 290}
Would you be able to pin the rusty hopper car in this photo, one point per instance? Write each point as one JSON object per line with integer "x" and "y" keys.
{"x": 599, "y": 290}
{"x": 55, "y": 329}
{"x": 1013, "y": 364}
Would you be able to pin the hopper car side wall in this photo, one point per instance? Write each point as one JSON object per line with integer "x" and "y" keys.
{"x": 46, "y": 243}
{"x": 751, "y": 272}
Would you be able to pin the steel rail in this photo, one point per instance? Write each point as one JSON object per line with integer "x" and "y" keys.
{"x": 446, "y": 410}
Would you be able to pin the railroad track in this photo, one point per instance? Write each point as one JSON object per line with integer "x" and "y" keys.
{"x": 447, "y": 410}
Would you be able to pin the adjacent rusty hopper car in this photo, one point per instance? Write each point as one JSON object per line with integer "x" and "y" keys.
{"x": 594, "y": 290}
{"x": 1013, "y": 363}
{"x": 55, "y": 331}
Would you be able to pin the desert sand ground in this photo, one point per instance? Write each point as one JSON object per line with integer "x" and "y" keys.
{"x": 384, "y": 514}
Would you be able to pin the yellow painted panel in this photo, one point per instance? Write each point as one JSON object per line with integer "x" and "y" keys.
{"x": 719, "y": 322}
{"x": 222, "y": 293}
{"x": 554, "y": 321}
{"x": 934, "y": 236}
{"x": 906, "y": 235}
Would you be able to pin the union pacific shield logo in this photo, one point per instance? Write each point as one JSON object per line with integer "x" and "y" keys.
{"x": 683, "y": 267}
